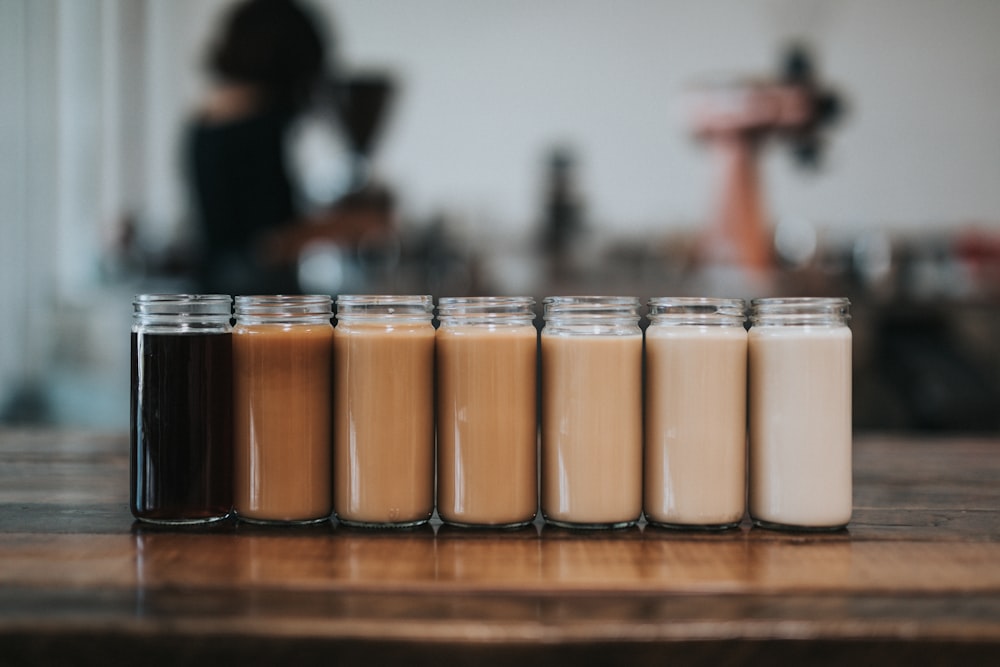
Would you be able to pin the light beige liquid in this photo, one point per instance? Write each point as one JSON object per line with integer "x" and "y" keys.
{"x": 800, "y": 425}
{"x": 487, "y": 425}
{"x": 281, "y": 403}
{"x": 695, "y": 456}
{"x": 383, "y": 422}
{"x": 591, "y": 428}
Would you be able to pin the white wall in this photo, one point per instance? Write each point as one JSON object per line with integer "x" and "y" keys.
{"x": 27, "y": 178}
{"x": 489, "y": 85}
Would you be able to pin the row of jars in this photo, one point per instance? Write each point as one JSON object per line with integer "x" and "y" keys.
{"x": 285, "y": 418}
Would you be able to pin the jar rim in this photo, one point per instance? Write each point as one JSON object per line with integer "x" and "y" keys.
{"x": 385, "y": 305}
{"x": 383, "y": 299}
{"x": 178, "y": 306}
{"x": 697, "y": 308}
{"x": 179, "y": 297}
{"x": 486, "y": 307}
{"x": 614, "y": 315}
{"x": 591, "y": 307}
{"x": 283, "y": 305}
{"x": 800, "y": 301}
{"x": 484, "y": 300}
{"x": 592, "y": 299}
{"x": 181, "y": 313}
{"x": 800, "y": 310}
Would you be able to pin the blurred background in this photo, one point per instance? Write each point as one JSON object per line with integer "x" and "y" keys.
{"x": 643, "y": 147}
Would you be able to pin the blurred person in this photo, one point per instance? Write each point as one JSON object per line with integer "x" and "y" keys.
{"x": 266, "y": 63}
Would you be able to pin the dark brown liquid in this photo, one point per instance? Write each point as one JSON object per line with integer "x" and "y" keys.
{"x": 181, "y": 427}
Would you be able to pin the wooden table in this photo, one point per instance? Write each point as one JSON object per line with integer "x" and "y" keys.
{"x": 915, "y": 579}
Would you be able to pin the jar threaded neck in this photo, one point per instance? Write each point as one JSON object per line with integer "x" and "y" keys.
{"x": 697, "y": 311}
{"x": 182, "y": 312}
{"x": 486, "y": 309}
{"x": 396, "y": 306}
{"x": 614, "y": 315}
{"x": 284, "y": 308}
{"x": 783, "y": 311}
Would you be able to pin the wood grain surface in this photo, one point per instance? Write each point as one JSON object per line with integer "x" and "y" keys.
{"x": 915, "y": 578}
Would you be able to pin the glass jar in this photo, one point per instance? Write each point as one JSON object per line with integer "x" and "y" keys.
{"x": 384, "y": 410}
{"x": 487, "y": 426}
{"x": 282, "y": 349}
{"x": 591, "y": 411}
{"x": 181, "y": 408}
{"x": 800, "y": 413}
{"x": 695, "y": 454}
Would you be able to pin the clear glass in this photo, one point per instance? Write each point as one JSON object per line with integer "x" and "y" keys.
{"x": 800, "y": 413}
{"x": 182, "y": 313}
{"x": 800, "y": 311}
{"x": 591, "y": 451}
{"x": 487, "y": 421}
{"x": 282, "y": 349}
{"x": 597, "y": 315}
{"x": 499, "y": 310}
{"x": 180, "y": 430}
{"x": 696, "y": 311}
{"x": 695, "y": 427}
{"x": 284, "y": 309}
{"x": 384, "y": 410}
{"x": 389, "y": 307}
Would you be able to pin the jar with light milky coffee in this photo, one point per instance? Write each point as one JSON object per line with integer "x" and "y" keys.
{"x": 486, "y": 405}
{"x": 800, "y": 413}
{"x": 591, "y": 448}
{"x": 695, "y": 453}
{"x": 282, "y": 347}
{"x": 383, "y": 419}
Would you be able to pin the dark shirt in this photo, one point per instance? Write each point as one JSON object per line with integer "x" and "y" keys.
{"x": 241, "y": 191}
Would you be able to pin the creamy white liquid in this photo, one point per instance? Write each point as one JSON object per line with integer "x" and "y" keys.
{"x": 695, "y": 454}
{"x": 800, "y": 425}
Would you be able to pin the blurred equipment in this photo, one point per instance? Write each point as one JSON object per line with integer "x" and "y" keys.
{"x": 735, "y": 120}
{"x": 939, "y": 379}
{"x": 342, "y": 244}
{"x": 362, "y": 102}
{"x": 562, "y": 222}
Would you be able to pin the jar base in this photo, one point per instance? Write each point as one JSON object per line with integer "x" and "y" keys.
{"x": 788, "y": 528}
{"x": 394, "y": 525}
{"x": 615, "y": 525}
{"x": 699, "y": 527}
{"x": 200, "y": 521}
{"x": 488, "y": 526}
{"x": 281, "y": 522}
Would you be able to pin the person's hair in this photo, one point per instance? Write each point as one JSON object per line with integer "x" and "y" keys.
{"x": 273, "y": 44}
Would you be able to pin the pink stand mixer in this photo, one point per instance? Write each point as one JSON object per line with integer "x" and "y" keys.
{"x": 735, "y": 121}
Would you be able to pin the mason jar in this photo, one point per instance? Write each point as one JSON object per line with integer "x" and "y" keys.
{"x": 384, "y": 410}
{"x": 181, "y": 443}
{"x": 591, "y": 448}
{"x": 282, "y": 347}
{"x": 800, "y": 413}
{"x": 695, "y": 453}
{"x": 487, "y": 423}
